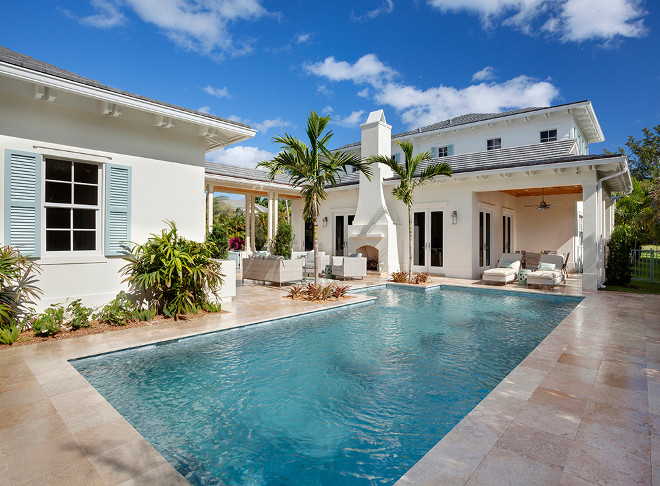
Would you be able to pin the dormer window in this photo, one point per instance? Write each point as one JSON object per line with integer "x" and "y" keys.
{"x": 493, "y": 143}
{"x": 548, "y": 135}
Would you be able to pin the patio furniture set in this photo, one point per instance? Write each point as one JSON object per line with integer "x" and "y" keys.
{"x": 548, "y": 270}
{"x": 277, "y": 269}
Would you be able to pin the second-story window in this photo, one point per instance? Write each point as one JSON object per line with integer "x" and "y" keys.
{"x": 443, "y": 151}
{"x": 548, "y": 135}
{"x": 493, "y": 143}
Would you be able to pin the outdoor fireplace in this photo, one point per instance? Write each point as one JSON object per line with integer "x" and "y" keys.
{"x": 371, "y": 254}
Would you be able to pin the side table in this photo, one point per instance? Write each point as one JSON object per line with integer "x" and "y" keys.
{"x": 522, "y": 275}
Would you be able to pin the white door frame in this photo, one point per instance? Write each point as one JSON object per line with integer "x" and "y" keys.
{"x": 346, "y": 215}
{"x": 485, "y": 238}
{"x": 428, "y": 246}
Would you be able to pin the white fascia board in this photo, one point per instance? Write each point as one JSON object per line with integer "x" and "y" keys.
{"x": 249, "y": 184}
{"x": 124, "y": 100}
{"x": 618, "y": 161}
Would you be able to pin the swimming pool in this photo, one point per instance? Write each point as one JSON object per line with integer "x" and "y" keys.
{"x": 350, "y": 396}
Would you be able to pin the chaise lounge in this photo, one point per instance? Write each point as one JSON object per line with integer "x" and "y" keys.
{"x": 549, "y": 272}
{"x": 506, "y": 271}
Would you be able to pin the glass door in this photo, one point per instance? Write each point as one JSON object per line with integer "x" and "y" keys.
{"x": 428, "y": 235}
{"x": 484, "y": 239}
{"x": 341, "y": 224}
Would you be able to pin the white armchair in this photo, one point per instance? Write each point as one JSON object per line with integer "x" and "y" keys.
{"x": 323, "y": 261}
{"x": 349, "y": 267}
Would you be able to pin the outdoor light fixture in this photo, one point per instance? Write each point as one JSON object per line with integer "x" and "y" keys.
{"x": 454, "y": 217}
{"x": 325, "y": 221}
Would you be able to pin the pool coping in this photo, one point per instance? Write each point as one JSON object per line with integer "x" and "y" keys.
{"x": 89, "y": 419}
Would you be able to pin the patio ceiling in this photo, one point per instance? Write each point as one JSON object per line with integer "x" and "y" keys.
{"x": 548, "y": 191}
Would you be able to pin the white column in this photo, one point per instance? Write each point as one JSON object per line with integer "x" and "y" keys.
{"x": 248, "y": 206}
{"x": 276, "y": 212}
{"x": 590, "y": 253}
{"x": 209, "y": 208}
{"x": 270, "y": 236}
{"x": 252, "y": 223}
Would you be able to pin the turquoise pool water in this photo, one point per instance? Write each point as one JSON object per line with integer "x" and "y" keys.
{"x": 351, "y": 396}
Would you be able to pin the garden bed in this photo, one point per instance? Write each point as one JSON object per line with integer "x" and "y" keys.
{"x": 28, "y": 336}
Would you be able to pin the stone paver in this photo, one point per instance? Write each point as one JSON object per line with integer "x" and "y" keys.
{"x": 583, "y": 408}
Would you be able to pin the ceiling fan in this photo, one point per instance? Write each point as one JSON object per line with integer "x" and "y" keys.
{"x": 543, "y": 205}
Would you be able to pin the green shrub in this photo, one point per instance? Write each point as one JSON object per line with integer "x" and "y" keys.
{"x": 77, "y": 315}
{"x": 144, "y": 314}
{"x": 219, "y": 240}
{"x": 212, "y": 306}
{"x": 283, "y": 239}
{"x": 50, "y": 321}
{"x": 619, "y": 265}
{"x": 176, "y": 271}
{"x": 18, "y": 290}
{"x": 11, "y": 329}
{"x": 118, "y": 312}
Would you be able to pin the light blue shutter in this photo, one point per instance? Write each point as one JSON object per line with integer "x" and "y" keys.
{"x": 434, "y": 152}
{"x": 23, "y": 202}
{"x": 117, "y": 209}
{"x": 397, "y": 158}
{"x": 450, "y": 150}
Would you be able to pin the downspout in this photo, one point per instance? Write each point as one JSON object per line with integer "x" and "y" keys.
{"x": 599, "y": 228}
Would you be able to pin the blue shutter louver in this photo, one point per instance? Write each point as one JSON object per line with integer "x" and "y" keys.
{"x": 397, "y": 158}
{"x": 434, "y": 152}
{"x": 23, "y": 202}
{"x": 117, "y": 210}
{"x": 450, "y": 150}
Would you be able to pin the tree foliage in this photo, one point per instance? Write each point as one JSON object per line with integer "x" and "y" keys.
{"x": 619, "y": 265}
{"x": 220, "y": 240}
{"x": 410, "y": 181}
{"x": 312, "y": 168}
{"x": 283, "y": 239}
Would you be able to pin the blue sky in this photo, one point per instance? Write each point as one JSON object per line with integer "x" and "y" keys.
{"x": 269, "y": 63}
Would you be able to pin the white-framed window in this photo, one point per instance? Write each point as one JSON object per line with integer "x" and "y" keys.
{"x": 71, "y": 206}
{"x": 443, "y": 151}
{"x": 493, "y": 143}
{"x": 548, "y": 135}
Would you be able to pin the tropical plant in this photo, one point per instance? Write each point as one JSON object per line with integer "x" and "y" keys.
{"x": 11, "y": 329}
{"x": 237, "y": 244}
{"x": 312, "y": 168}
{"x": 50, "y": 321}
{"x": 118, "y": 312}
{"x": 77, "y": 315}
{"x": 220, "y": 241}
{"x": 283, "y": 239}
{"x": 410, "y": 180}
{"x": 400, "y": 277}
{"x": 619, "y": 264}
{"x": 178, "y": 272}
{"x": 18, "y": 290}
{"x": 313, "y": 291}
{"x": 421, "y": 277}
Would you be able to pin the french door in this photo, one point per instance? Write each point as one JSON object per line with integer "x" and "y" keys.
{"x": 485, "y": 218}
{"x": 428, "y": 253}
{"x": 342, "y": 222}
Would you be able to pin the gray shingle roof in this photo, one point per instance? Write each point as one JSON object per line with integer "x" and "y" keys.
{"x": 17, "y": 59}
{"x": 461, "y": 120}
{"x": 236, "y": 172}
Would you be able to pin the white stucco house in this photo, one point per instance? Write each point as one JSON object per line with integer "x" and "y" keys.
{"x": 86, "y": 167}
{"x": 505, "y": 165}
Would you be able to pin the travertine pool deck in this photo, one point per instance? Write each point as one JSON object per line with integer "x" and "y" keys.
{"x": 582, "y": 408}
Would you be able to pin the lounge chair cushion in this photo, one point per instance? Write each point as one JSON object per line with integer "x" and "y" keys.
{"x": 507, "y": 264}
{"x": 546, "y": 266}
{"x": 502, "y": 272}
{"x": 545, "y": 275}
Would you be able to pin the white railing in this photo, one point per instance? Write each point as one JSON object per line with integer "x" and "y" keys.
{"x": 645, "y": 265}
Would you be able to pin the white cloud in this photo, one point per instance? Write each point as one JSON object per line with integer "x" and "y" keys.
{"x": 265, "y": 125}
{"x": 107, "y": 15}
{"x": 367, "y": 69}
{"x": 217, "y": 92}
{"x": 302, "y": 38}
{"x": 196, "y": 25}
{"x": 352, "y": 120}
{"x": 571, "y": 20}
{"x": 240, "y": 156}
{"x": 386, "y": 7}
{"x": 364, "y": 93}
{"x": 485, "y": 74}
{"x": 327, "y": 109}
{"x": 323, "y": 89}
{"x": 425, "y": 106}
{"x": 205, "y": 109}
{"x": 238, "y": 119}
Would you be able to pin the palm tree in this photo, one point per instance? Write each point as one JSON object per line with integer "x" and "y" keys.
{"x": 312, "y": 168}
{"x": 409, "y": 182}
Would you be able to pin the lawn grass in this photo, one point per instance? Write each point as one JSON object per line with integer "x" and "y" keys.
{"x": 651, "y": 247}
{"x": 637, "y": 287}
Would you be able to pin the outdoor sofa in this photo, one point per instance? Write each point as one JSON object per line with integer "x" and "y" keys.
{"x": 349, "y": 267}
{"x": 549, "y": 272}
{"x": 506, "y": 271}
{"x": 271, "y": 268}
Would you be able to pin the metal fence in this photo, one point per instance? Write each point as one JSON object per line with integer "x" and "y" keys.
{"x": 646, "y": 265}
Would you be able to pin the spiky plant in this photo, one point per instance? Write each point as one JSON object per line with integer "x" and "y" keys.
{"x": 312, "y": 168}
{"x": 410, "y": 181}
